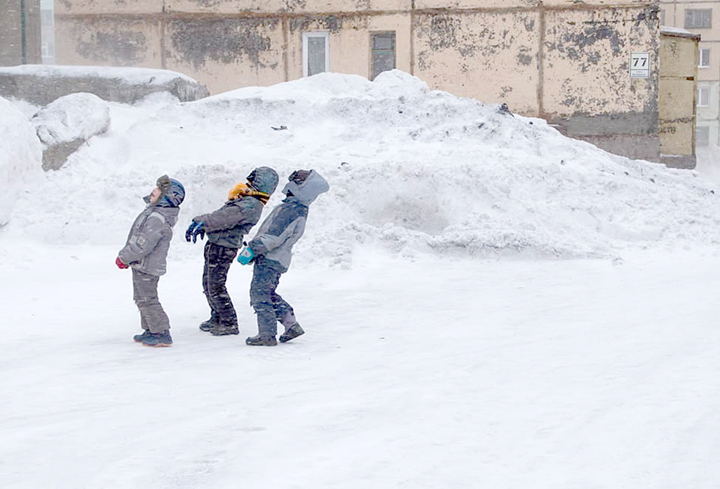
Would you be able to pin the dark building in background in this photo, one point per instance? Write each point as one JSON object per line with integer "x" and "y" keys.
{"x": 20, "y": 32}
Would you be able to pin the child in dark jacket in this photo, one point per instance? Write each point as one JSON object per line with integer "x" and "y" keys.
{"x": 146, "y": 252}
{"x": 271, "y": 250}
{"x": 225, "y": 230}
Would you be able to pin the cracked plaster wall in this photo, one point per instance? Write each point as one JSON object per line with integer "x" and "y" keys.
{"x": 563, "y": 60}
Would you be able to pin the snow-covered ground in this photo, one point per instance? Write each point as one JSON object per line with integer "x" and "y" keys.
{"x": 487, "y": 304}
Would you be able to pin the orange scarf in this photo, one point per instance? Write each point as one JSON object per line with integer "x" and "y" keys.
{"x": 247, "y": 190}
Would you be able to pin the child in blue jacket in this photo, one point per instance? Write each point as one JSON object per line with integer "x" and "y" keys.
{"x": 271, "y": 250}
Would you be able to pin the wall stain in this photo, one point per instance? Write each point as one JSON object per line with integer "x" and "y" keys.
{"x": 332, "y": 23}
{"x": 124, "y": 48}
{"x": 209, "y": 3}
{"x": 291, "y": 5}
{"x": 442, "y": 31}
{"x": 222, "y": 40}
{"x": 524, "y": 58}
{"x": 577, "y": 45}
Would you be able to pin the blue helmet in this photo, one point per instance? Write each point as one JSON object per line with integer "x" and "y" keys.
{"x": 173, "y": 192}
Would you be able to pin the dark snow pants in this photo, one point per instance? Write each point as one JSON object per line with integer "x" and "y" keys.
{"x": 269, "y": 306}
{"x": 217, "y": 263}
{"x": 145, "y": 295}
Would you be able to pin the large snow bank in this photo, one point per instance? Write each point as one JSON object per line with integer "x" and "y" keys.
{"x": 412, "y": 170}
{"x": 20, "y": 157}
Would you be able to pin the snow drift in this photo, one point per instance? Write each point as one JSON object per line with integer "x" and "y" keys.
{"x": 72, "y": 117}
{"x": 20, "y": 158}
{"x": 411, "y": 169}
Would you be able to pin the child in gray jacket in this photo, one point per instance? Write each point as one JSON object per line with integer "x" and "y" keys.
{"x": 225, "y": 230}
{"x": 271, "y": 250}
{"x": 146, "y": 252}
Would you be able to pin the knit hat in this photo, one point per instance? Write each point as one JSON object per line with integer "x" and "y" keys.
{"x": 173, "y": 192}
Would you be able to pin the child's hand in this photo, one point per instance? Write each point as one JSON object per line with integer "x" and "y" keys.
{"x": 193, "y": 231}
{"x": 120, "y": 264}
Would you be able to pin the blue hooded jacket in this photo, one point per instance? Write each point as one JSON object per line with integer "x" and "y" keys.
{"x": 286, "y": 223}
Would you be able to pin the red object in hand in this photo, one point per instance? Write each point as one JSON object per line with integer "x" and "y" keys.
{"x": 120, "y": 263}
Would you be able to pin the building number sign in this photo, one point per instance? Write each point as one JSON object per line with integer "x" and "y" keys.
{"x": 640, "y": 65}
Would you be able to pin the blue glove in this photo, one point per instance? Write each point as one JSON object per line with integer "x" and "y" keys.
{"x": 246, "y": 256}
{"x": 193, "y": 231}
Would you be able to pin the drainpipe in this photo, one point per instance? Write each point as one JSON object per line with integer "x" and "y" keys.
{"x": 23, "y": 39}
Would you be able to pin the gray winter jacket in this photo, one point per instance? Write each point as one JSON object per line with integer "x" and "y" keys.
{"x": 149, "y": 240}
{"x": 227, "y": 225}
{"x": 286, "y": 223}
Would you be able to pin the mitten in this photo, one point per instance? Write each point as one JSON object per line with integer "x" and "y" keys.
{"x": 120, "y": 264}
{"x": 245, "y": 256}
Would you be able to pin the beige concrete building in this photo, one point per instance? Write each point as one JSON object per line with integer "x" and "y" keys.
{"x": 701, "y": 17}
{"x": 20, "y": 34}
{"x": 678, "y": 86}
{"x": 589, "y": 67}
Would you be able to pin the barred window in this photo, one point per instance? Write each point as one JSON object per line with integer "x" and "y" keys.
{"x": 383, "y": 52}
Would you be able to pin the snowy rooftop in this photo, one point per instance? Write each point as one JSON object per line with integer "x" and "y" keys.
{"x": 129, "y": 75}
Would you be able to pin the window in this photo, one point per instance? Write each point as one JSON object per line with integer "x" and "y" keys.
{"x": 662, "y": 17}
{"x": 316, "y": 53}
{"x": 704, "y": 58}
{"x": 383, "y": 52}
{"x": 698, "y": 18}
{"x": 702, "y": 136}
{"x": 703, "y": 97}
{"x": 47, "y": 17}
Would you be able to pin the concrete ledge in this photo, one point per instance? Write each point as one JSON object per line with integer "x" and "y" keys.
{"x": 41, "y": 84}
{"x": 636, "y": 147}
{"x": 685, "y": 162}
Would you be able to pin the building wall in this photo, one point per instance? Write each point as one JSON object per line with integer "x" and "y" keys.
{"x": 678, "y": 86}
{"x": 562, "y": 60}
{"x": 20, "y": 33}
{"x": 673, "y": 13}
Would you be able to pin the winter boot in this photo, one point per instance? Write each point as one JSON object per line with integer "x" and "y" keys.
{"x": 140, "y": 337}
{"x": 158, "y": 339}
{"x": 223, "y": 330}
{"x": 292, "y": 332}
{"x": 261, "y": 340}
{"x": 208, "y": 325}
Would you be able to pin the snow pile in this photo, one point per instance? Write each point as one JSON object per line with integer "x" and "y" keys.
{"x": 411, "y": 170}
{"x": 20, "y": 157}
{"x": 72, "y": 117}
